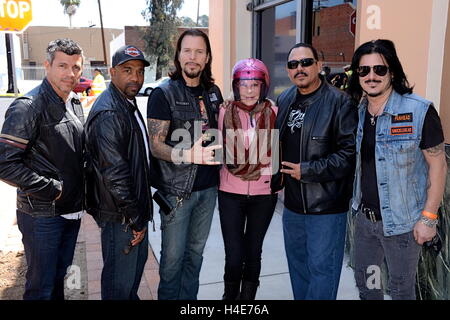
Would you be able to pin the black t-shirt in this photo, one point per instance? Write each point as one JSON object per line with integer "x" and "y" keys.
{"x": 432, "y": 135}
{"x": 158, "y": 108}
{"x": 291, "y": 151}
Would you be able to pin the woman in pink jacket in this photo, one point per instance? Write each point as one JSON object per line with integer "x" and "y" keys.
{"x": 246, "y": 204}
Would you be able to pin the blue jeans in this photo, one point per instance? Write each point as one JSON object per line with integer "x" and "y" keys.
{"x": 371, "y": 248}
{"x": 49, "y": 248}
{"x": 122, "y": 273}
{"x": 315, "y": 250}
{"x": 183, "y": 239}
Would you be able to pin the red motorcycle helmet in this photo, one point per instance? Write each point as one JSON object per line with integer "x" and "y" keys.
{"x": 251, "y": 69}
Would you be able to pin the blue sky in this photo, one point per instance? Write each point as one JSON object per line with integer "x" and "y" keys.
{"x": 115, "y": 14}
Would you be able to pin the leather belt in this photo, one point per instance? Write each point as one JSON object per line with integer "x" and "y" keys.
{"x": 373, "y": 215}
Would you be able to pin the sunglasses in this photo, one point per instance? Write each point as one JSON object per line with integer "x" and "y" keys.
{"x": 293, "y": 64}
{"x": 379, "y": 70}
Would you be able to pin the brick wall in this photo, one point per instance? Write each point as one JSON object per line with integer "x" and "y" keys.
{"x": 335, "y": 36}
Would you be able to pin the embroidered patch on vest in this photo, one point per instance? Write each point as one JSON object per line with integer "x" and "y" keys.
{"x": 181, "y": 103}
{"x": 396, "y": 131}
{"x": 213, "y": 97}
{"x": 402, "y": 117}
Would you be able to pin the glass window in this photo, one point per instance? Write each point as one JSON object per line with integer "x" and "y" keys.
{"x": 277, "y": 35}
{"x": 333, "y": 25}
{"x": 329, "y": 26}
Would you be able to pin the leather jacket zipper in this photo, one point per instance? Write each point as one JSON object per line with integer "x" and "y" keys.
{"x": 281, "y": 160}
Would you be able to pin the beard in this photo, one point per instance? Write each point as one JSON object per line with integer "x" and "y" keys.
{"x": 192, "y": 74}
{"x": 379, "y": 93}
{"x": 373, "y": 95}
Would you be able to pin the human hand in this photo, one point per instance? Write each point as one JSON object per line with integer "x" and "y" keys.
{"x": 293, "y": 169}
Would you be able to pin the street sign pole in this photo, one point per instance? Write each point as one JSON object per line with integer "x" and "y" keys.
{"x": 15, "y": 16}
{"x": 13, "y": 62}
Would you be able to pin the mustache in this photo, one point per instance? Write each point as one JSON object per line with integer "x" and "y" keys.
{"x": 372, "y": 81}
{"x": 192, "y": 63}
{"x": 301, "y": 73}
{"x": 132, "y": 84}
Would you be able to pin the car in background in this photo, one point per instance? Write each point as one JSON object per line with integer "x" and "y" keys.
{"x": 149, "y": 86}
{"x": 83, "y": 85}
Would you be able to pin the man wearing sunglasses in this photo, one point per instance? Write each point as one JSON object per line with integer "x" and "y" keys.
{"x": 317, "y": 124}
{"x": 400, "y": 173}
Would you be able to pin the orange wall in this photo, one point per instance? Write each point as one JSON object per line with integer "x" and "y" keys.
{"x": 218, "y": 38}
{"x": 445, "y": 92}
{"x": 408, "y": 24}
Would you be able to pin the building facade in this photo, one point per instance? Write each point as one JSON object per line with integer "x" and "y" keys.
{"x": 267, "y": 29}
{"x": 34, "y": 41}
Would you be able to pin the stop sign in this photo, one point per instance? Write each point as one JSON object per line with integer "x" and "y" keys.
{"x": 353, "y": 23}
{"x": 15, "y": 15}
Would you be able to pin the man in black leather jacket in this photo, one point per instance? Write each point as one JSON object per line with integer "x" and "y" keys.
{"x": 118, "y": 176}
{"x": 188, "y": 105}
{"x": 41, "y": 153}
{"x": 317, "y": 124}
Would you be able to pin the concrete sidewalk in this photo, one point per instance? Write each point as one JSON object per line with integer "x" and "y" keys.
{"x": 274, "y": 280}
{"x": 88, "y": 237}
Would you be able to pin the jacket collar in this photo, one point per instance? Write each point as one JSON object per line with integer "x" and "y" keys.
{"x": 318, "y": 93}
{"x": 122, "y": 99}
{"x": 50, "y": 92}
{"x": 315, "y": 96}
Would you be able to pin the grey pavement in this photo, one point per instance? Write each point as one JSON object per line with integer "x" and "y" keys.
{"x": 274, "y": 279}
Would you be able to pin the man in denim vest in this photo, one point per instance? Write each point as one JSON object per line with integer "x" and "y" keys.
{"x": 400, "y": 172}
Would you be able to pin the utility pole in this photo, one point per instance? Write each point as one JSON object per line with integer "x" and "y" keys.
{"x": 105, "y": 61}
{"x": 12, "y": 81}
{"x": 198, "y": 10}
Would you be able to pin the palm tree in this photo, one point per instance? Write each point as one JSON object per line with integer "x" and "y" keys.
{"x": 70, "y": 7}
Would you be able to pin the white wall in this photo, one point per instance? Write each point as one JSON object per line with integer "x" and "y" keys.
{"x": 115, "y": 44}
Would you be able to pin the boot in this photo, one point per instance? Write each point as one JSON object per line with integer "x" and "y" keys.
{"x": 248, "y": 290}
{"x": 231, "y": 291}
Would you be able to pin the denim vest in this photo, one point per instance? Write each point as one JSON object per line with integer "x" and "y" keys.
{"x": 401, "y": 168}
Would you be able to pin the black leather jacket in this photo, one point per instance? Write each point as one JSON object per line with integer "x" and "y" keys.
{"x": 178, "y": 179}
{"x": 118, "y": 174}
{"x": 327, "y": 148}
{"x": 41, "y": 152}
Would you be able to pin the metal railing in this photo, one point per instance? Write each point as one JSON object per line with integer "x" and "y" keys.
{"x": 38, "y": 72}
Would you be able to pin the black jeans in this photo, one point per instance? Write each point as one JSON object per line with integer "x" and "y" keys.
{"x": 244, "y": 221}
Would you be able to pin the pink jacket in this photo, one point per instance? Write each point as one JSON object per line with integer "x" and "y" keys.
{"x": 233, "y": 184}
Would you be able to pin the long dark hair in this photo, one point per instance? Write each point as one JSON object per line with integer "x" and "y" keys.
{"x": 387, "y": 49}
{"x": 206, "y": 78}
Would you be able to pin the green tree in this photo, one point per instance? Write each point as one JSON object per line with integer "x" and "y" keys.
{"x": 70, "y": 8}
{"x": 203, "y": 21}
{"x": 160, "y": 36}
{"x": 187, "y": 22}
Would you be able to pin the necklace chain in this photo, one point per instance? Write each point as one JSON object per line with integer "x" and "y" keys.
{"x": 373, "y": 116}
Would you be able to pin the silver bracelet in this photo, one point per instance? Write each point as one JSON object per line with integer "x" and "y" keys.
{"x": 429, "y": 222}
